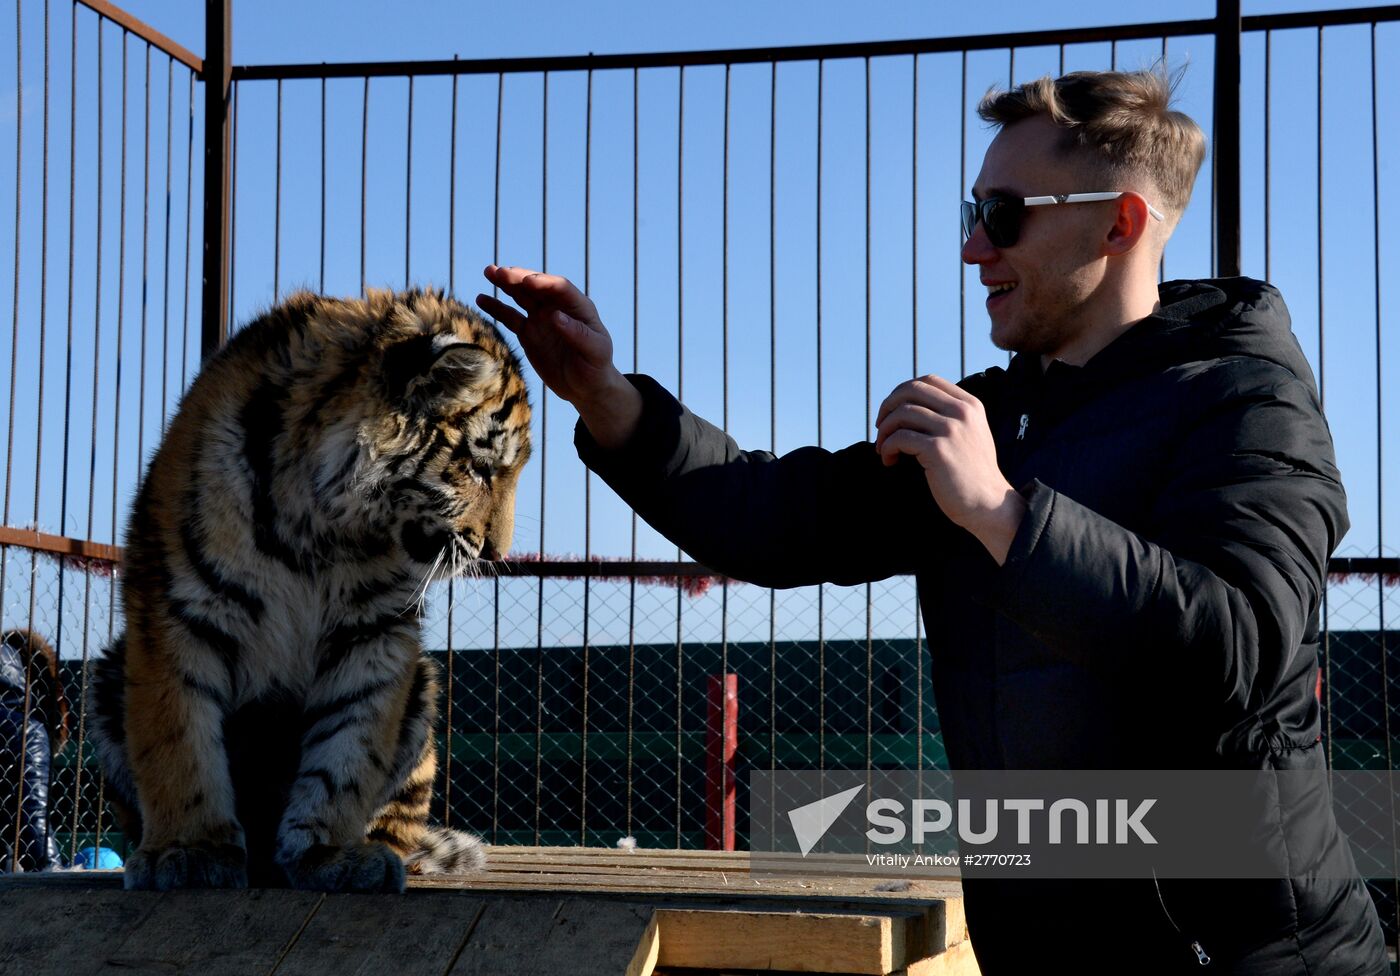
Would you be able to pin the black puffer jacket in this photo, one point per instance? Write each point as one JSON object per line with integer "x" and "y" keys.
{"x": 24, "y": 775}
{"x": 1158, "y": 608}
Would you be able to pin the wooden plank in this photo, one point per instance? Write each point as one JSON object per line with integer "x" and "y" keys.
{"x": 661, "y": 882}
{"x": 65, "y": 930}
{"x": 928, "y": 912}
{"x": 680, "y": 853}
{"x": 536, "y": 867}
{"x": 416, "y": 934}
{"x": 956, "y": 960}
{"x": 703, "y": 939}
{"x": 955, "y": 922}
{"x": 929, "y": 924}
{"x": 545, "y": 937}
{"x": 924, "y": 922}
{"x": 63, "y": 880}
{"x": 213, "y": 933}
{"x": 497, "y": 861}
{"x": 648, "y": 951}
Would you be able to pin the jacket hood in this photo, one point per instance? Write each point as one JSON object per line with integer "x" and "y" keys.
{"x": 1210, "y": 319}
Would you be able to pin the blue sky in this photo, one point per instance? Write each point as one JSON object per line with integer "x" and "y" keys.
{"x": 679, "y": 319}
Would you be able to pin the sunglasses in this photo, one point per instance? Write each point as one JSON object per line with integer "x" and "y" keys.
{"x": 1002, "y": 216}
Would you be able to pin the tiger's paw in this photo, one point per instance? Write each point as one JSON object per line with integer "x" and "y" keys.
{"x": 193, "y": 866}
{"x": 359, "y": 868}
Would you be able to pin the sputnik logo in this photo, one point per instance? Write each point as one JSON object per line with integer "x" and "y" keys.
{"x": 811, "y": 822}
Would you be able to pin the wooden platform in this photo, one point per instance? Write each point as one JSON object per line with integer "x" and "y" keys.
{"x": 535, "y": 910}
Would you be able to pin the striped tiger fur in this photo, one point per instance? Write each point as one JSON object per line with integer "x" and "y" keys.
{"x": 267, "y": 715}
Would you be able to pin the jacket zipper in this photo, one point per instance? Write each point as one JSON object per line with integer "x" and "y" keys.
{"x": 1196, "y": 947}
{"x": 1021, "y": 431}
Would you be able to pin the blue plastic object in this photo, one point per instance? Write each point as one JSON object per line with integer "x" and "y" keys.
{"x": 97, "y": 857}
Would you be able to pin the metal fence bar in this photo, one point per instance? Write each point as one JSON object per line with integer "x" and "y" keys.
{"x": 869, "y": 645}
{"x": 1162, "y": 261}
{"x": 121, "y": 298}
{"x": 322, "y": 266}
{"x": 29, "y": 690}
{"x": 96, "y": 313}
{"x": 447, "y": 724}
{"x": 277, "y": 203}
{"x": 815, "y": 52}
{"x": 19, "y": 203}
{"x": 821, "y": 590}
{"x": 726, "y": 829}
{"x": 231, "y": 255}
{"x": 13, "y": 864}
{"x": 189, "y": 219}
{"x": 1386, "y": 705}
{"x": 43, "y": 308}
{"x": 914, "y": 371}
{"x": 451, "y": 194}
{"x": 165, "y": 260}
{"x": 68, "y": 392}
{"x": 544, "y": 458}
{"x": 962, "y": 189}
{"x": 680, "y": 386}
{"x": 450, "y": 697}
{"x": 755, "y": 55}
{"x": 145, "y": 275}
{"x": 772, "y": 402}
{"x": 1225, "y": 155}
{"x": 1320, "y": 18}
{"x": 364, "y": 176}
{"x": 218, "y": 213}
{"x": 1268, "y": 171}
{"x": 587, "y": 476}
{"x": 636, "y": 346}
{"x": 496, "y": 582}
{"x": 72, "y": 251}
{"x": 1329, "y": 704}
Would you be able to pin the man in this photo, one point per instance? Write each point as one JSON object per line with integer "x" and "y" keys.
{"x": 33, "y": 730}
{"x": 1121, "y": 539}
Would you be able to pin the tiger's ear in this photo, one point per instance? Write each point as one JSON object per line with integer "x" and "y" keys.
{"x": 457, "y": 372}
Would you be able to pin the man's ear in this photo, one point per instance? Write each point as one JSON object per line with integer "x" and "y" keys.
{"x": 1131, "y": 223}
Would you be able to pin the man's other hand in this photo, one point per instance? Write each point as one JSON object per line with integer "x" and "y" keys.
{"x": 945, "y": 429}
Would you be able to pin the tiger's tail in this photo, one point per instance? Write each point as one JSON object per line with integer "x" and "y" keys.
{"x": 442, "y": 850}
{"x": 402, "y": 823}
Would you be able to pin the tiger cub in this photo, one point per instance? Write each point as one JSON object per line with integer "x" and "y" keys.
{"x": 267, "y": 715}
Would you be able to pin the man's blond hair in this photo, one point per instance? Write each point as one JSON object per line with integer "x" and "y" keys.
{"x": 1121, "y": 122}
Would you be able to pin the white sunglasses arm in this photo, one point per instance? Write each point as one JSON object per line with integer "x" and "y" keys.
{"x": 1086, "y": 198}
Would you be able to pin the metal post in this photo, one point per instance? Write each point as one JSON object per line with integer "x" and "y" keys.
{"x": 721, "y": 748}
{"x": 1226, "y": 157}
{"x": 218, "y": 67}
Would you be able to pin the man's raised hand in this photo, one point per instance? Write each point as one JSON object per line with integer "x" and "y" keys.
{"x": 569, "y": 348}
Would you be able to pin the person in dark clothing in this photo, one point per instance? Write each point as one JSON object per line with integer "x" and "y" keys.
{"x": 1122, "y": 536}
{"x": 33, "y": 729}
